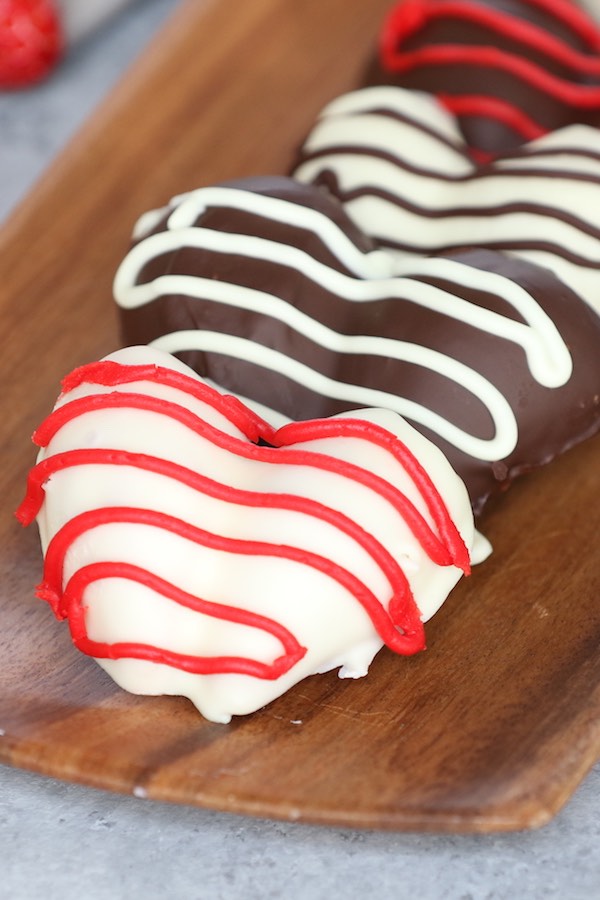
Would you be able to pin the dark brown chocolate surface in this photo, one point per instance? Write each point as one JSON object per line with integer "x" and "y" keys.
{"x": 549, "y": 420}
{"x": 513, "y": 69}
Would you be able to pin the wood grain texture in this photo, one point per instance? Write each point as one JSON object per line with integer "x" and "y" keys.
{"x": 494, "y": 726}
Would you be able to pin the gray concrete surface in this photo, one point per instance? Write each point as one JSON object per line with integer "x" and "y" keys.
{"x": 64, "y": 841}
{"x": 61, "y": 842}
{"x": 36, "y": 123}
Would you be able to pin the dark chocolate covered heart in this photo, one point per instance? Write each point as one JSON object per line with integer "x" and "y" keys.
{"x": 397, "y": 162}
{"x": 511, "y": 70}
{"x": 267, "y": 288}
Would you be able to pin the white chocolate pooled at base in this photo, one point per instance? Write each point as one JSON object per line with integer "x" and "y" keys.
{"x": 110, "y": 514}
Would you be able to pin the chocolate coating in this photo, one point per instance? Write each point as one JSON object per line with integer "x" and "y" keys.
{"x": 396, "y": 161}
{"x": 539, "y": 59}
{"x": 254, "y": 301}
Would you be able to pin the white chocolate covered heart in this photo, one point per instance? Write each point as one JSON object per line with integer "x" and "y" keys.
{"x": 195, "y": 550}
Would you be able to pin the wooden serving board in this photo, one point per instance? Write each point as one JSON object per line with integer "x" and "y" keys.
{"x": 494, "y": 726}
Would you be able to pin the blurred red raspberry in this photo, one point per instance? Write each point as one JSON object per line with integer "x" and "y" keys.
{"x": 31, "y": 41}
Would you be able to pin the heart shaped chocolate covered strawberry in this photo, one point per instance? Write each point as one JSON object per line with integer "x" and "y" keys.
{"x": 510, "y": 70}
{"x": 397, "y": 162}
{"x": 196, "y": 550}
{"x": 268, "y": 288}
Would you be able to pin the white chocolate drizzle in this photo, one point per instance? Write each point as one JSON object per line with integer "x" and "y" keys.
{"x": 386, "y": 154}
{"x": 375, "y": 276}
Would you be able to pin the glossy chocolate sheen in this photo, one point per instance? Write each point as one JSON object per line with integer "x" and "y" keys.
{"x": 287, "y": 294}
{"x": 396, "y": 160}
{"x": 536, "y": 64}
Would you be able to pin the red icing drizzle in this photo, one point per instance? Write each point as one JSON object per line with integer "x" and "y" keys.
{"x": 476, "y": 105}
{"x": 399, "y": 626}
{"x": 408, "y": 17}
{"x": 110, "y": 374}
{"x": 584, "y": 96}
